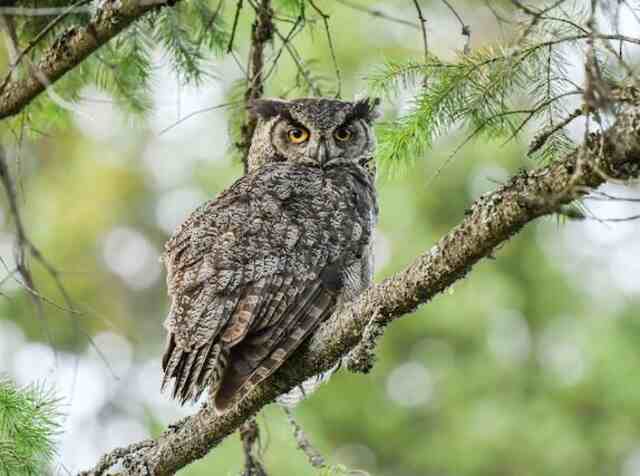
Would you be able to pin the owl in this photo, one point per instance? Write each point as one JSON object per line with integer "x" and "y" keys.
{"x": 251, "y": 273}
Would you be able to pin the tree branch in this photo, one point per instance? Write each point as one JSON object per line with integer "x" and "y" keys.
{"x": 313, "y": 455}
{"x": 261, "y": 34}
{"x": 250, "y": 438}
{"x": 490, "y": 222}
{"x": 72, "y": 47}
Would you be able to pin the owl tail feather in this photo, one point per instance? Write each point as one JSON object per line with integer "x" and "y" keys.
{"x": 193, "y": 371}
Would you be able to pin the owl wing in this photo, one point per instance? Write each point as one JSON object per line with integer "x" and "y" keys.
{"x": 251, "y": 274}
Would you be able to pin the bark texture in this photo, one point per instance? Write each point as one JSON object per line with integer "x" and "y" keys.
{"x": 488, "y": 223}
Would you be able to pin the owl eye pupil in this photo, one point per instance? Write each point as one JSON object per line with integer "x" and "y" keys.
{"x": 298, "y": 135}
{"x": 343, "y": 134}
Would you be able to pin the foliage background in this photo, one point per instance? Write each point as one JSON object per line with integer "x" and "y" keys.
{"x": 528, "y": 367}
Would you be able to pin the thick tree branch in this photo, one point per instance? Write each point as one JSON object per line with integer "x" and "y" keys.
{"x": 490, "y": 222}
{"x": 71, "y": 48}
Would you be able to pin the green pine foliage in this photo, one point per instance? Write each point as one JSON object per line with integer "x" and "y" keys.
{"x": 123, "y": 68}
{"x": 489, "y": 92}
{"x": 180, "y": 43}
{"x": 190, "y": 35}
{"x": 495, "y": 92}
{"x": 28, "y": 427}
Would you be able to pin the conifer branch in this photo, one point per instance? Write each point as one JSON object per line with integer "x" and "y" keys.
{"x": 72, "y": 47}
{"x": 29, "y": 424}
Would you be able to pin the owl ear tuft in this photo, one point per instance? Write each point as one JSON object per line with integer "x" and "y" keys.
{"x": 366, "y": 109}
{"x": 268, "y": 108}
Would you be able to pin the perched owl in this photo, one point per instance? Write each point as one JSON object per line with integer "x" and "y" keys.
{"x": 253, "y": 272}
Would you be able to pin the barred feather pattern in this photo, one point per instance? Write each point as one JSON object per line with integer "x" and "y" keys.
{"x": 253, "y": 272}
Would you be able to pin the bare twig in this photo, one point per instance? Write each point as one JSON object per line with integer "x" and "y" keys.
{"x": 540, "y": 139}
{"x": 287, "y": 39}
{"x": 25, "y": 246}
{"x": 198, "y": 112}
{"x": 250, "y": 437}
{"x": 617, "y": 220}
{"x": 605, "y": 197}
{"x": 325, "y": 20}
{"x": 236, "y": 17}
{"x": 298, "y": 62}
{"x": 535, "y": 14}
{"x": 378, "y": 14}
{"x": 313, "y": 455}
{"x": 465, "y": 29}
{"x": 423, "y": 28}
{"x": 22, "y": 244}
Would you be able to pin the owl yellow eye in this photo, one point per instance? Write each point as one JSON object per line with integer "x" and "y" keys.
{"x": 298, "y": 135}
{"x": 342, "y": 134}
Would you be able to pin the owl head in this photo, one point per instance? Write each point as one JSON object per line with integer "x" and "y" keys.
{"x": 320, "y": 132}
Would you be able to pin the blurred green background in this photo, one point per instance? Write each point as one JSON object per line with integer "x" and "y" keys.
{"x": 530, "y": 366}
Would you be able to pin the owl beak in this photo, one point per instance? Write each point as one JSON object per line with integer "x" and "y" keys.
{"x": 322, "y": 153}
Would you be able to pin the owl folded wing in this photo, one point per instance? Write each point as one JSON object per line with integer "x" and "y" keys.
{"x": 249, "y": 278}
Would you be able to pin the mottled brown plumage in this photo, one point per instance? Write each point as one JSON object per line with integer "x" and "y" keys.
{"x": 253, "y": 272}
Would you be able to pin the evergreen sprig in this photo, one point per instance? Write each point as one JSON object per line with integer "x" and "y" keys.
{"x": 28, "y": 427}
{"x": 489, "y": 91}
{"x": 123, "y": 68}
{"x": 189, "y": 35}
{"x": 495, "y": 92}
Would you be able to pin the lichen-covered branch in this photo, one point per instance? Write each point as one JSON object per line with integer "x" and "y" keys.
{"x": 71, "y": 48}
{"x": 488, "y": 223}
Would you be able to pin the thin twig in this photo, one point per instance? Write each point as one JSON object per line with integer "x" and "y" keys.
{"x": 540, "y": 139}
{"x": 251, "y": 446}
{"x": 313, "y": 455}
{"x": 615, "y": 220}
{"x": 605, "y": 197}
{"x": 197, "y": 112}
{"x": 378, "y": 13}
{"x": 536, "y": 15}
{"x": 299, "y": 63}
{"x": 325, "y": 20}
{"x": 423, "y": 28}
{"x": 234, "y": 27}
{"x": 466, "y": 29}
{"x": 285, "y": 41}
{"x": 22, "y": 244}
